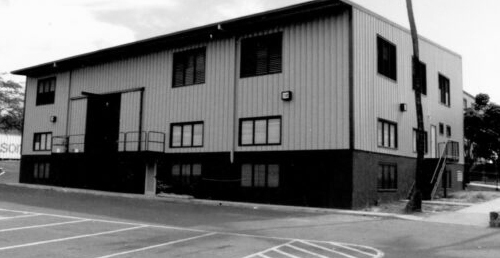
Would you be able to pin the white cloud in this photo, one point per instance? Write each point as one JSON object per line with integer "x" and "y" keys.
{"x": 41, "y": 32}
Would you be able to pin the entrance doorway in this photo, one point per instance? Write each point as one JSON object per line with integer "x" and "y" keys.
{"x": 103, "y": 123}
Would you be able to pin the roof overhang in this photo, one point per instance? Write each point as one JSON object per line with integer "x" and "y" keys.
{"x": 225, "y": 29}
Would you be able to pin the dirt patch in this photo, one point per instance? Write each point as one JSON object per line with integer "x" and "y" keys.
{"x": 471, "y": 196}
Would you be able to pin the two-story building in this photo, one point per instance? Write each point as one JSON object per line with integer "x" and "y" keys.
{"x": 310, "y": 104}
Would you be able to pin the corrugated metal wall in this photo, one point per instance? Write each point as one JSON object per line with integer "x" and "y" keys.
{"x": 379, "y": 97}
{"x": 37, "y": 118}
{"x": 316, "y": 70}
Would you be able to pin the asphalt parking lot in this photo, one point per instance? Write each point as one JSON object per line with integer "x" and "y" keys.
{"x": 33, "y": 234}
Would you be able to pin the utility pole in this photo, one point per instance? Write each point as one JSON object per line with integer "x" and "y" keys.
{"x": 415, "y": 202}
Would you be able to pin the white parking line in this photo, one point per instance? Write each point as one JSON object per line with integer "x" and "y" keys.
{"x": 352, "y": 247}
{"x": 20, "y": 216}
{"x": 330, "y": 250}
{"x": 156, "y": 246}
{"x": 44, "y": 225}
{"x": 309, "y": 252}
{"x": 70, "y": 238}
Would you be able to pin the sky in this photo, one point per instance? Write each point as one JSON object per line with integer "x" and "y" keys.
{"x": 38, "y": 31}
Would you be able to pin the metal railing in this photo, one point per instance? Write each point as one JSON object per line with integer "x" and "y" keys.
{"x": 127, "y": 142}
{"x": 450, "y": 149}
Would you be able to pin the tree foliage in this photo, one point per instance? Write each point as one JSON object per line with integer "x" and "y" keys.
{"x": 482, "y": 128}
{"x": 11, "y": 105}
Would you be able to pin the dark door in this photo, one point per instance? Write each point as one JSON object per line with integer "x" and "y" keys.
{"x": 103, "y": 124}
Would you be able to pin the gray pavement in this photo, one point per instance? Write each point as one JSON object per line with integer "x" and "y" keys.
{"x": 69, "y": 224}
{"x": 474, "y": 215}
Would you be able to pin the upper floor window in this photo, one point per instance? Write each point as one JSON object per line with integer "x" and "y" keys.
{"x": 260, "y": 131}
{"x": 448, "y": 131}
{"x": 186, "y": 135}
{"x": 444, "y": 90}
{"x": 387, "y": 134}
{"x": 423, "y": 77}
{"x": 42, "y": 141}
{"x": 46, "y": 91}
{"x": 386, "y": 61}
{"x": 441, "y": 128}
{"x": 189, "y": 67}
{"x": 261, "y": 55}
{"x": 426, "y": 147}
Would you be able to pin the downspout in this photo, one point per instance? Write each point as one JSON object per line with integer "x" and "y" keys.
{"x": 68, "y": 114}
{"x": 141, "y": 110}
{"x": 235, "y": 101}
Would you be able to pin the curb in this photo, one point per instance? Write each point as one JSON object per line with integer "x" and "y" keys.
{"x": 190, "y": 200}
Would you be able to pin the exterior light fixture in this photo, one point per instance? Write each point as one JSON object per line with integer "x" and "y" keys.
{"x": 403, "y": 107}
{"x": 53, "y": 119}
{"x": 286, "y": 95}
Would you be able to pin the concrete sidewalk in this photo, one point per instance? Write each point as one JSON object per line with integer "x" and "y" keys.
{"x": 475, "y": 215}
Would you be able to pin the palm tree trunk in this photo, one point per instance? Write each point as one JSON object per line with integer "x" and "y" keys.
{"x": 415, "y": 203}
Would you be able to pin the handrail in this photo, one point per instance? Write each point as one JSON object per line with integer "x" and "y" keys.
{"x": 127, "y": 142}
{"x": 441, "y": 167}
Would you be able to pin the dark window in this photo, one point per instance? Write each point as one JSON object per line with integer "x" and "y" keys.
{"x": 448, "y": 131}
{"x": 42, "y": 141}
{"x": 189, "y": 67}
{"x": 444, "y": 90}
{"x": 423, "y": 77}
{"x": 186, "y": 174}
{"x": 387, "y": 134}
{"x": 46, "y": 91}
{"x": 426, "y": 147}
{"x": 261, "y": 55}
{"x": 387, "y": 179}
{"x": 260, "y": 131}
{"x": 41, "y": 170}
{"x": 386, "y": 58}
{"x": 465, "y": 104}
{"x": 186, "y": 135}
{"x": 441, "y": 128}
{"x": 260, "y": 175}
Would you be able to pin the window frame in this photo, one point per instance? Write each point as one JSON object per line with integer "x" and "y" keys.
{"x": 41, "y": 175}
{"x": 254, "y": 120}
{"x": 47, "y": 148}
{"x": 441, "y": 129}
{"x": 183, "y": 57}
{"x": 266, "y": 176}
{"x": 387, "y": 68}
{"x": 182, "y": 125}
{"x": 447, "y": 90}
{"x": 448, "y": 131}
{"x": 249, "y": 52}
{"x": 181, "y": 178}
{"x": 391, "y": 123}
{"x": 382, "y": 185}
{"x": 49, "y": 97}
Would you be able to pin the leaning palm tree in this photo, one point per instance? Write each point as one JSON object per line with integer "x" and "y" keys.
{"x": 415, "y": 203}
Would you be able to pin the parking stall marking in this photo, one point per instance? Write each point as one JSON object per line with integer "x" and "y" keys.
{"x": 313, "y": 247}
{"x": 157, "y": 246}
{"x": 317, "y": 250}
{"x": 71, "y": 238}
{"x": 44, "y": 225}
{"x": 20, "y": 216}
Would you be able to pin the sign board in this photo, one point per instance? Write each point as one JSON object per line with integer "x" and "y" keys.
{"x": 10, "y": 146}
{"x": 460, "y": 176}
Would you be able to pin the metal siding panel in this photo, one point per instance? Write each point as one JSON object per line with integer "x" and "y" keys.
{"x": 313, "y": 68}
{"x": 379, "y": 97}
